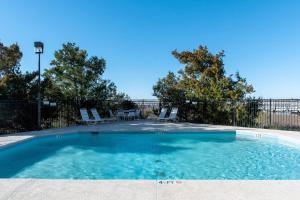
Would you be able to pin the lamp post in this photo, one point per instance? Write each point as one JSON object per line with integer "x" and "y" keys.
{"x": 39, "y": 49}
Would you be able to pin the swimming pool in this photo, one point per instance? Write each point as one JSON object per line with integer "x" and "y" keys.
{"x": 184, "y": 155}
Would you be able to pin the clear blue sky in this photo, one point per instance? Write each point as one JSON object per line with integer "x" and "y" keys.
{"x": 261, "y": 38}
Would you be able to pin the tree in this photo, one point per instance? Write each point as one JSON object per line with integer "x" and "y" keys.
{"x": 202, "y": 79}
{"x": 74, "y": 75}
{"x": 167, "y": 89}
{"x": 14, "y": 84}
{"x": 9, "y": 59}
{"x": 19, "y": 86}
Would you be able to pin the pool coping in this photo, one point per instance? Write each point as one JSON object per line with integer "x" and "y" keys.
{"x": 149, "y": 189}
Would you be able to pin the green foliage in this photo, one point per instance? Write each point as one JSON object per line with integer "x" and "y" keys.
{"x": 76, "y": 80}
{"x": 204, "y": 82}
{"x": 73, "y": 79}
{"x": 14, "y": 84}
{"x": 167, "y": 90}
{"x": 75, "y": 75}
{"x": 128, "y": 104}
{"x": 203, "y": 77}
{"x": 9, "y": 59}
{"x": 18, "y": 86}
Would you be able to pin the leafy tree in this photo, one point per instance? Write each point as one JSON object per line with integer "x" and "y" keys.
{"x": 9, "y": 59}
{"x": 167, "y": 89}
{"x": 16, "y": 115}
{"x": 14, "y": 84}
{"x": 78, "y": 79}
{"x": 19, "y": 86}
{"x": 128, "y": 104}
{"x": 75, "y": 75}
{"x": 202, "y": 80}
{"x": 203, "y": 77}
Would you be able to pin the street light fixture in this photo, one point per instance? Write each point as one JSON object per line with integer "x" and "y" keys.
{"x": 39, "y": 49}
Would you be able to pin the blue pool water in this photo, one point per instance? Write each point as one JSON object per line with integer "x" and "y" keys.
{"x": 150, "y": 156}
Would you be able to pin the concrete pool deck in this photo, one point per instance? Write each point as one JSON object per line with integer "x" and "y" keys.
{"x": 35, "y": 189}
{"x": 148, "y": 189}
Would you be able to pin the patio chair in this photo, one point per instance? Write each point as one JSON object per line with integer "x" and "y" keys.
{"x": 172, "y": 116}
{"x": 111, "y": 114}
{"x": 112, "y": 117}
{"x": 85, "y": 117}
{"x": 137, "y": 114}
{"x": 162, "y": 114}
{"x": 96, "y": 115}
{"x": 131, "y": 115}
{"x": 121, "y": 115}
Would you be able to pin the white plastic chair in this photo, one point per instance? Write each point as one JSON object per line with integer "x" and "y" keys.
{"x": 173, "y": 115}
{"x": 162, "y": 114}
{"x": 137, "y": 114}
{"x": 131, "y": 115}
{"x": 112, "y": 117}
{"x": 96, "y": 115}
{"x": 85, "y": 116}
{"x": 121, "y": 115}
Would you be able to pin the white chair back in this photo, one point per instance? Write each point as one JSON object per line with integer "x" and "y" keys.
{"x": 163, "y": 113}
{"x": 96, "y": 114}
{"x": 173, "y": 114}
{"x": 120, "y": 113}
{"x": 84, "y": 114}
{"x": 111, "y": 114}
{"x": 137, "y": 113}
{"x": 131, "y": 114}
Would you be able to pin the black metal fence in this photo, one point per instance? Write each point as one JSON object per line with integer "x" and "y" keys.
{"x": 259, "y": 113}
{"x": 21, "y": 115}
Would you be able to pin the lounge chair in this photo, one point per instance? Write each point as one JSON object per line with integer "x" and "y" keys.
{"x": 172, "y": 116}
{"x": 85, "y": 117}
{"x": 137, "y": 114}
{"x": 96, "y": 115}
{"x": 121, "y": 115}
{"x": 131, "y": 115}
{"x": 162, "y": 114}
{"x": 112, "y": 117}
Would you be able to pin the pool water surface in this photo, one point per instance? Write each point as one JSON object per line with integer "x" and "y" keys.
{"x": 184, "y": 155}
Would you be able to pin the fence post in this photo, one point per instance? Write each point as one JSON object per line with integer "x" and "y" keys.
{"x": 60, "y": 110}
{"x": 234, "y": 114}
{"x": 143, "y": 107}
{"x": 270, "y": 114}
